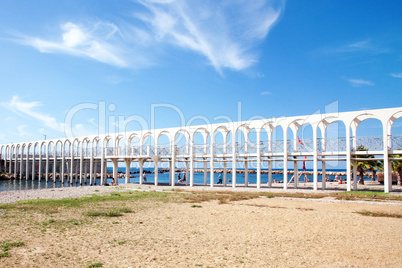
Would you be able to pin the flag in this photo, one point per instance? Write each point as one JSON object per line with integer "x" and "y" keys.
{"x": 300, "y": 142}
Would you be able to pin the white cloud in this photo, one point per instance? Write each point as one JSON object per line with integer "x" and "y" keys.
{"x": 99, "y": 41}
{"x": 222, "y": 31}
{"x": 396, "y": 75}
{"x": 30, "y": 109}
{"x": 21, "y": 131}
{"x": 265, "y": 93}
{"x": 360, "y": 82}
{"x": 359, "y": 46}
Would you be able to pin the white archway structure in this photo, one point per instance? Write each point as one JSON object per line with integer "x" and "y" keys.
{"x": 75, "y": 154}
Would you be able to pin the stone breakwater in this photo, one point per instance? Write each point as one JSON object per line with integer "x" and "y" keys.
{"x": 253, "y": 171}
{"x": 6, "y": 176}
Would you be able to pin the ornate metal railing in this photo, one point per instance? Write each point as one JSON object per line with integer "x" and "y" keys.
{"x": 277, "y": 147}
{"x": 219, "y": 148}
{"x": 252, "y": 148}
{"x": 164, "y": 150}
{"x": 241, "y": 148}
{"x": 370, "y": 143}
{"x": 199, "y": 149}
{"x": 181, "y": 150}
{"x": 396, "y": 142}
{"x": 373, "y": 143}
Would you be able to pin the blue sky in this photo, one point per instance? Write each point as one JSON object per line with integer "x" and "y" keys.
{"x": 195, "y": 59}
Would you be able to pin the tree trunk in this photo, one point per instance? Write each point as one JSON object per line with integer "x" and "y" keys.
{"x": 399, "y": 172}
{"x": 361, "y": 179}
{"x": 374, "y": 173}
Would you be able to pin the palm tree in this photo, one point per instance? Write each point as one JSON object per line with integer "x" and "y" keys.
{"x": 366, "y": 165}
{"x": 374, "y": 166}
{"x": 397, "y": 167}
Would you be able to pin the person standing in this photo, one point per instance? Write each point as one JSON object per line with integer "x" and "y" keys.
{"x": 220, "y": 178}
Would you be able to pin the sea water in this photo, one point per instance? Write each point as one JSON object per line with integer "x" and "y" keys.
{"x": 163, "y": 178}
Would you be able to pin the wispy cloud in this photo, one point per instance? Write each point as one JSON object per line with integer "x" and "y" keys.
{"x": 359, "y": 46}
{"x": 360, "y": 82}
{"x": 222, "y": 31}
{"x": 29, "y": 109}
{"x": 265, "y": 93}
{"x": 396, "y": 75}
{"x": 32, "y": 110}
{"x": 21, "y": 131}
{"x": 98, "y": 41}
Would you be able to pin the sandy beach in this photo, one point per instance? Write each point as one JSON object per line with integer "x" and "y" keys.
{"x": 166, "y": 228}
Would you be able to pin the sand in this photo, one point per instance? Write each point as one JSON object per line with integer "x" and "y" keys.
{"x": 261, "y": 232}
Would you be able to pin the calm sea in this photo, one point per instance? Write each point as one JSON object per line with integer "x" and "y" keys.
{"x": 13, "y": 185}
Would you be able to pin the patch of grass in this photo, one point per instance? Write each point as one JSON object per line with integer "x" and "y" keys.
{"x": 112, "y": 213}
{"x": 366, "y": 195}
{"x": 46, "y": 223}
{"x": 121, "y": 242}
{"x": 53, "y": 205}
{"x": 379, "y": 214}
{"x": 196, "y": 206}
{"x": 125, "y": 210}
{"x": 93, "y": 214}
{"x": 5, "y": 246}
{"x": 98, "y": 264}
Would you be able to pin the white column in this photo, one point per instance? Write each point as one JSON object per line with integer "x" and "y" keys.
{"x": 187, "y": 167}
{"x": 211, "y": 164}
{"x": 205, "y": 171}
{"x": 27, "y": 165}
{"x": 285, "y": 159}
{"x": 324, "y": 174}
{"x": 259, "y": 159}
{"x": 141, "y": 163}
{"x": 354, "y": 175}
{"x": 91, "y": 168}
{"x": 102, "y": 166}
{"x": 246, "y": 172}
{"x": 115, "y": 169}
{"x": 270, "y": 172}
{"x": 234, "y": 159}
{"x": 348, "y": 159}
{"x": 33, "y": 164}
{"x": 323, "y": 163}
{"x": 387, "y": 163}
{"x": 156, "y": 173}
{"x": 63, "y": 161}
{"x": 315, "y": 160}
{"x": 40, "y": 164}
{"x": 81, "y": 162}
{"x": 225, "y": 172}
{"x": 21, "y": 164}
{"x": 191, "y": 162}
{"x": 128, "y": 164}
{"x": 72, "y": 163}
{"x": 295, "y": 172}
{"x": 47, "y": 163}
{"x": 173, "y": 163}
{"x": 85, "y": 171}
{"x": 54, "y": 164}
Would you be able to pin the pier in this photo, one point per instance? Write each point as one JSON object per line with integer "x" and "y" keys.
{"x": 79, "y": 158}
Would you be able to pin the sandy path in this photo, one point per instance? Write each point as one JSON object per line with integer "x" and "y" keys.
{"x": 255, "y": 233}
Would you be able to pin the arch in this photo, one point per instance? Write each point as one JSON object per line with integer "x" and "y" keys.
{"x": 241, "y": 133}
{"x": 148, "y": 144}
{"x": 134, "y": 143}
{"x": 96, "y": 148}
{"x": 181, "y": 142}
